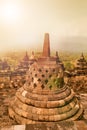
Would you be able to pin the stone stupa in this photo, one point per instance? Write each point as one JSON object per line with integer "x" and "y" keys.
{"x": 24, "y": 64}
{"x": 44, "y": 97}
{"x": 81, "y": 66}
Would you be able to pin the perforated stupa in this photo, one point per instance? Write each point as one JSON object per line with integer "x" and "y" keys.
{"x": 44, "y": 97}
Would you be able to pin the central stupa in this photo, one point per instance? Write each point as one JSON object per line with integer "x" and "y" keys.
{"x": 44, "y": 97}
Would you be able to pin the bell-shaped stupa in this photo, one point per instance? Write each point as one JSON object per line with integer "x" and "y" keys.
{"x": 44, "y": 97}
{"x": 81, "y": 66}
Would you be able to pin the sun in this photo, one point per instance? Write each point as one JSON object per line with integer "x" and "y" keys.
{"x": 10, "y": 13}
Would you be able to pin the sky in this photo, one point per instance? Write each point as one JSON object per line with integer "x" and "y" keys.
{"x": 24, "y": 22}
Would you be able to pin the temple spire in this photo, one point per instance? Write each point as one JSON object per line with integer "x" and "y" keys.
{"x": 57, "y": 56}
{"x": 82, "y": 56}
{"x": 46, "y": 46}
{"x": 26, "y": 58}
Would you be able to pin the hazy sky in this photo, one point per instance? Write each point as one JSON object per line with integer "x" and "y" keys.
{"x": 24, "y": 22}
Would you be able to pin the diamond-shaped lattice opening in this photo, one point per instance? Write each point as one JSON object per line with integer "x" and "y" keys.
{"x": 39, "y": 79}
{"x": 40, "y": 70}
{"x": 32, "y": 79}
{"x": 50, "y": 76}
{"x": 46, "y": 71}
{"x": 35, "y": 75}
{"x": 42, "y": 86}
{"x": 50, "y": 86}
{"x": 35, "y": 85}
{"x": 43, "y": 75}
{"x": 46, "y": 81}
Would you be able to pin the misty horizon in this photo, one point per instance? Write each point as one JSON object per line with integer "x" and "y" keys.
{"x": 70, "y": 44}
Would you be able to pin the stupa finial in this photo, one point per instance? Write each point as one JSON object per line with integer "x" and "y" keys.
{"x": 46, "y": 46}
